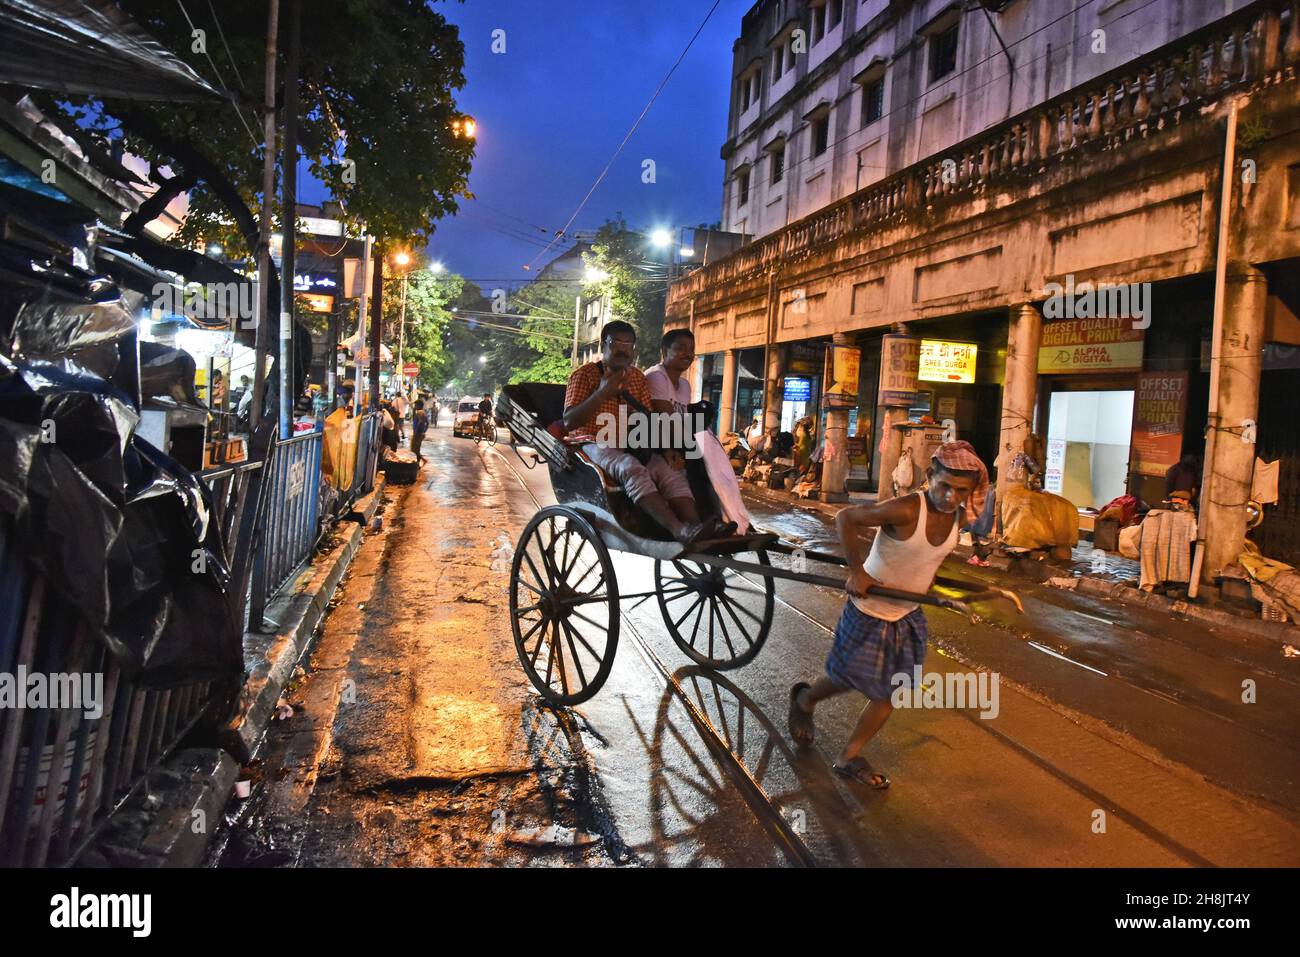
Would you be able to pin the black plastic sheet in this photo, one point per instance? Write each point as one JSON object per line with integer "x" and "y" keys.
{"x": 118, "y": 527}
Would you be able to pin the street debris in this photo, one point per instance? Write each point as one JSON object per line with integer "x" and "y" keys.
{"x": 554, "y": 835}
{"x": 1068, "y": 583}
{"x": 502, "y": 554}
{"x": 1290, "y": 651}
{"x": 283, "y": 710}
{"x": 243, "y": 789}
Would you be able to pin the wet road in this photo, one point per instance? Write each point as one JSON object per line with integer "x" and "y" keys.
{"x": 1120, "y": 738}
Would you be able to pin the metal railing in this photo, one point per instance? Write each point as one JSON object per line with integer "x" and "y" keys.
{"x": 1149, "y": 96}
{"x": 288, "y": 529}
{"x": 63, "y": 772}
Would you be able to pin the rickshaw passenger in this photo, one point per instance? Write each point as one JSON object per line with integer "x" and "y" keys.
{"x": 660, "y": 490}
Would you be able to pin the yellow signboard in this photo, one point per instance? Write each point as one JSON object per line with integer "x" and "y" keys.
{"x": 944, "y": 361}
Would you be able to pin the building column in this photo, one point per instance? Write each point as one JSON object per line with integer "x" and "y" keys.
{"x": 835, "y": 465}
{"x": 774, "y": 387}
{"x": 1235, "y": 365}
{"x": 727, "y": 404}
{"x": 697, "y": 378}
{"x": 891, "y": 442}
{"x": 1019, "y": 390}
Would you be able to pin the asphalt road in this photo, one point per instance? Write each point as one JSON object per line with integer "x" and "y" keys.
{"x": 1118, "y": 737}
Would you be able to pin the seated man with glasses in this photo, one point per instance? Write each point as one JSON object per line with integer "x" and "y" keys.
{"x": 597, "y": 390}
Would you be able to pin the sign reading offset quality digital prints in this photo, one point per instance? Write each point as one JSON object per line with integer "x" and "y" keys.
{"x": 1090, "y": 345}
{"x": 944, "y": 361}
{"x": 1159, "y": 408}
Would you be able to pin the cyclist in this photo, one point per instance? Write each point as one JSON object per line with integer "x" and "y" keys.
{"x": 485, "y": 421}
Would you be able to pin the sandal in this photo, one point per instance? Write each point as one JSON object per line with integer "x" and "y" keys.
{"x": 801, "y": 724}
{"x": 859, "y": 769}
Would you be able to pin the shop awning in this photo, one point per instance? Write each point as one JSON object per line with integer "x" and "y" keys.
{"x": 90, "y": 47}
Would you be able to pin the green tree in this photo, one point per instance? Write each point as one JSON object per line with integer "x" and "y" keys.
{"x": 379, "y": 124}
{"x": 636, "y": 285}
{"x": 429, "y": 298}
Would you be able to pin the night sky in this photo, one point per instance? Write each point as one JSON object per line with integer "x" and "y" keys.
{"x": 553, "y": 108}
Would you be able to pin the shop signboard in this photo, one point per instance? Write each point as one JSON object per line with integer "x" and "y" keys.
{"x": 943, "y": 361}
{"x": 1054, "y": 475}
{"x": 1108, "y": 344}
{"x": 841, "y": 375}
{"x": 900, "y": 363}
{"x": 1159, "y": 409}
{"x": 798, "y": 389}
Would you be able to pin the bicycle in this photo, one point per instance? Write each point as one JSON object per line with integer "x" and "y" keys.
{"x": 485, "y": 430}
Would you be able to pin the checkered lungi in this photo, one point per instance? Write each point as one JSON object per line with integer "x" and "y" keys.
{"x": 869, "y": 651}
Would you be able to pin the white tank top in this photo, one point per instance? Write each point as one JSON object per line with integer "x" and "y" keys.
{"x": 906, "y": 565}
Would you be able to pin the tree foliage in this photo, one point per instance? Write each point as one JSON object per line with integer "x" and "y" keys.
{"x": 637, "y": 286}
{"x": 377, "y": 111}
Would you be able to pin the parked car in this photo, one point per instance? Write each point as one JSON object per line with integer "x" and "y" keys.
{"x": 466, "y": 416}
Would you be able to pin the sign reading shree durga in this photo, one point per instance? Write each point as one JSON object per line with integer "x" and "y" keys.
{"x": 944, "y": 361}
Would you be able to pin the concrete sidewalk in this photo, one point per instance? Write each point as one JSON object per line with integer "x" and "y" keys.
{"x": 169, "y": 823}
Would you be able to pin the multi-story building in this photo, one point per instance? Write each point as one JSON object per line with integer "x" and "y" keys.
{"x": 970, "y": 174}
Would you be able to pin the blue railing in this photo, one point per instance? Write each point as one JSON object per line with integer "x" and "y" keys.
{"x": 288, "y": 531}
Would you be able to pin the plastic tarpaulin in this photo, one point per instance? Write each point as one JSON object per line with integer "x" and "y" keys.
{"x": 339, "y": 456}
{"x": 119, "y": 528}
{"x": 90, "y": 47}
{"x": 1038, "y": 520}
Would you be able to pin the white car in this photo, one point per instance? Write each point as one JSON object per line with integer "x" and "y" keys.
{"x": 466, "y": 416}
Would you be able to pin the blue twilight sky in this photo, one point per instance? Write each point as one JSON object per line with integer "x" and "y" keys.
{"x": 553, "y": 108}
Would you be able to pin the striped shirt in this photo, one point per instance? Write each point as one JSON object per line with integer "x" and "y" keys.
{"x": 583, "y": 383}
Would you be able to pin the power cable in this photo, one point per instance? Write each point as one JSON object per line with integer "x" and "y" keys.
{"x": 632, "y": 130}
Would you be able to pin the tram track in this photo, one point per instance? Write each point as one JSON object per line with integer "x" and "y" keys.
{"x": 1137, "y": 822}
{"x": 770, "y": 816}
{"x": 783, "y": 834}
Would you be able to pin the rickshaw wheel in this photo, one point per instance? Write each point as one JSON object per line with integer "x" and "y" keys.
{"x": 717, "y": 616}
{"x": 564, "y": 606}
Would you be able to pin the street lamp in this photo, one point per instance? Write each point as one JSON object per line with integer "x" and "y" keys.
{"x": 482, "y": 360}
{"x": 595, "y": 275}
{"x": 436, "y": 267}
{"x": 661, "y": 237}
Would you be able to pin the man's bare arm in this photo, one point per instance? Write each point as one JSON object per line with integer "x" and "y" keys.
{"x": 851, "y": 523}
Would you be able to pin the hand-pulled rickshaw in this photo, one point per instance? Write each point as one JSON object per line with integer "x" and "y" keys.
{"x": 716, "y": 598}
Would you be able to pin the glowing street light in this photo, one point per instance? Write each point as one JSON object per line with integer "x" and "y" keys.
{"x": 402, "y": 259}
{"x": 595, "y": 275}
{"x": 436, "y": 267}
{"x": 661, "y": 237}
{"x": 482, "y": 360}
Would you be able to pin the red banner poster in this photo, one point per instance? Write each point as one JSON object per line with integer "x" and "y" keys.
{"x": 1159, "y": 409}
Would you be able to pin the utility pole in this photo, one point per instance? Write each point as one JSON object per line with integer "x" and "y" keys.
{"x": 577, "y": 321}
{"x": 401, "y": 338}
{"x": 364, "y": 281}
{"x": 289, "y": 224}
{"x": 264, "y": 227}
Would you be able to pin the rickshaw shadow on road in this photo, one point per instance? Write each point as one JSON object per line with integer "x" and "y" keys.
{"x": 797, "y": 786}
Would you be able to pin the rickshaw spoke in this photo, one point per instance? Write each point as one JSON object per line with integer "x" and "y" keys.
{"x": 722, "y": 623}
{"x": 526, "y": 609}
{"x": 573, "y": 652}
{"x": 540, "y": 578}
{"x": 710, "y": 629}
{"x": 731, "y": 602}
{"x": 695, "y": 630}
{"x": 578, "y": 634}
{"x": 558, "y": 649}
{"x": 760, "y": 767}
{"x": 541, "y": 640}
{"x": 530, "y": 585}
{"x": 550, "y": 657}
{"x": 532, "y": 631}
{"x": 588, "y": 600}
{"x": 578, "y": 584}
{"x": 740, "y": 627}
{"x": 678, "y": 622}
{"x": 674, "y": 593}
{"x": 731, "y": 575}
{"x": 594, "y": 624}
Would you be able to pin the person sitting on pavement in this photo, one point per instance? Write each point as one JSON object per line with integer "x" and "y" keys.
{"x": 595, "y": 392}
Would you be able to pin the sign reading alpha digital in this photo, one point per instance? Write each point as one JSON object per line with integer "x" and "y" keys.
{"x": 944, "y": 361}
{"x": 1090, "y": 345}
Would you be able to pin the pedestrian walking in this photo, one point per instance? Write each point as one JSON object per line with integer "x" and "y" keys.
{"x": 879, "y": 641}
{"x": 419, "y": 426}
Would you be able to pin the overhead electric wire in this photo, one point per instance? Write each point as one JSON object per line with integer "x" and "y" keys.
{"x": 221, "y": 79}
{"x": 480, "y": 323}
{"x": 604, "y": 172}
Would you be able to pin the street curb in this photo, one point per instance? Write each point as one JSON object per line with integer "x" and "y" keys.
{"x": 1278, "y": 632}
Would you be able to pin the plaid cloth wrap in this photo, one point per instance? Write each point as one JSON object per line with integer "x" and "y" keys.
{"x": 868, "y": 652}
